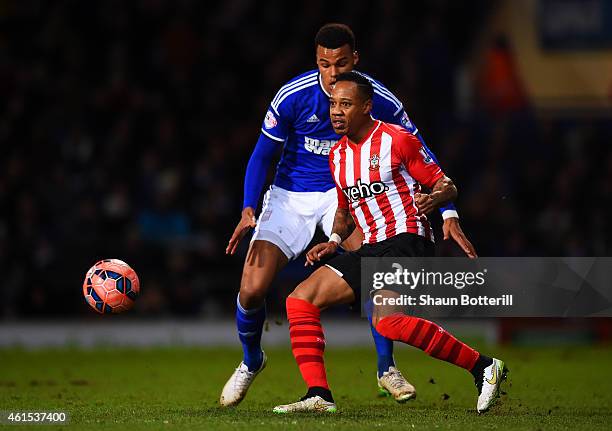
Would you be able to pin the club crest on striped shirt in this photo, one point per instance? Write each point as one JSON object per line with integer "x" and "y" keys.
{"x": 426, "y": 157}
{"x": 374, "y": 162}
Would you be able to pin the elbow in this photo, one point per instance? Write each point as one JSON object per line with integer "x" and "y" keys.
{"x": 447, "y": 189}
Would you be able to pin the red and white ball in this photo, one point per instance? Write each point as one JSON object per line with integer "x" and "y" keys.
{"x": 111, "y": 286}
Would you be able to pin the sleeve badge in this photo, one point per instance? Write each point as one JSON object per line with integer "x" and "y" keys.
{"x": 270, "y": 121}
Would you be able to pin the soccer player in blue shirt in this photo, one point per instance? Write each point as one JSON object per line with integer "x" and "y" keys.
{"x": 302, "y": 198}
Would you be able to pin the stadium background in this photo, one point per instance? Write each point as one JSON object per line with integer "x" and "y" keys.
{"x": 125, "y": 129}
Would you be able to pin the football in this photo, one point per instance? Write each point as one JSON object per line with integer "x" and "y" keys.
{"x": 111, "y": 286}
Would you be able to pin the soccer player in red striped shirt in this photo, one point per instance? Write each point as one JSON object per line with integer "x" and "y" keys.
{"x": 378, "y": 169}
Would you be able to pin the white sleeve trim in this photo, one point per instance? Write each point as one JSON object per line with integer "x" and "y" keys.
{"x": 272, "y": 136}
{"x": 338, "y": 273}
{"x": 335, "y": 238}
{"x": 450, "y": 214}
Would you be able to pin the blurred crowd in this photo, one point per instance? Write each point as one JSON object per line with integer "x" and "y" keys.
{"x": 125, "y": 129}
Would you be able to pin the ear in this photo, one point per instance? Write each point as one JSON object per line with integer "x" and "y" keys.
{"x": 355, "y": 57}
{"x": 367, "y": 106}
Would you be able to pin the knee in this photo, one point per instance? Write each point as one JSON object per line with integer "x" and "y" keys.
{"x": 375, "y": 321}
{"x": 304, "y": 291}
{"x": 382, "y": 324}
{"x": 252, "y": 291}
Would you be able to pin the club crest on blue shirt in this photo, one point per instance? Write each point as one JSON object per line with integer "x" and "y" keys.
{"x": 405, "y": 120}
{"x": 426, "y": 157}
{"x": 374, "y": 162}
{"x": 270, "y": 120}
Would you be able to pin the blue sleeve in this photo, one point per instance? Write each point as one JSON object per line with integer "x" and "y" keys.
{"x": 386, "y": 107}
{"x": 279, "y": 118}
{"x": 257, "y": 169}
{"x": 401, "y": 119}
{"x": 274, "y": 130}
{"x": 450, "y": 206}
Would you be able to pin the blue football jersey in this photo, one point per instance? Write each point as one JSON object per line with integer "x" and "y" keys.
{"x": 299, "y": 117}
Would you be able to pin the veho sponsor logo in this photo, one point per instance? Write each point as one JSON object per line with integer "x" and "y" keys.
{"x": 363, "y": 190}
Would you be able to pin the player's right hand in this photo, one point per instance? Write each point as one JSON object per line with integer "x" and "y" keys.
{"x": 247, "y": 222}
{"x": 452, "y": 229}
{"x": 320, "y": 251}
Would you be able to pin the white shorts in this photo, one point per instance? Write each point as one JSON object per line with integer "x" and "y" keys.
{"x": 289, "y": 219}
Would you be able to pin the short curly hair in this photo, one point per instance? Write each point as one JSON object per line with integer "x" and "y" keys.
{"x": 335, "y": 35}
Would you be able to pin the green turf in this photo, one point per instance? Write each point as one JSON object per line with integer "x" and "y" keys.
{"x": 178, "y": 389}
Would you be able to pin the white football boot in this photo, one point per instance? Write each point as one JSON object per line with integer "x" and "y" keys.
{"x": 312, "y": 404}
{"x": 238, "y": 384}
{"x": 488, "y": 387}
{"x": 392, "y": 383}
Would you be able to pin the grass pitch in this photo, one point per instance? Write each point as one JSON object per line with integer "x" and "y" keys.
{"x": 178, "y": 389}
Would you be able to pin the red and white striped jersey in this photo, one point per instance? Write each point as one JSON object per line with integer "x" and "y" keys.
{"x": 377, "y": 179}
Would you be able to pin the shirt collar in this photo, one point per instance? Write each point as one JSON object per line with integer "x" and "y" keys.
{"x": 321, "y": 85}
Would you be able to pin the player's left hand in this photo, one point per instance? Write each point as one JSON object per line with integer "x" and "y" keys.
{"x": 246, "y": 223}
{"x": 425, "y": 202}
{"x": 451, "y": 228}
{"x": 319, "y": 251}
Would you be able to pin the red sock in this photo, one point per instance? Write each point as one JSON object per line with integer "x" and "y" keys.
{"x": 428, "y": 336}
{"x": 307, "y": 341}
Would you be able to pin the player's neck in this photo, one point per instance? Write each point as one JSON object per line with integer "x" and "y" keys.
{"x": 358, "y": 137}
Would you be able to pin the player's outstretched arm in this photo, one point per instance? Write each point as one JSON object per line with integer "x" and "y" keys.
{"x": 257, "y": 168}
{"x": 451, "y": 227}
{"x": 448, "y": 210}
{"x": 390, "y": 110}
{"x": 342, "y": 229}
{"x": 445, "y": 189}
{"x": 247, "y": 222}
{"x": 254, "y": 180}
